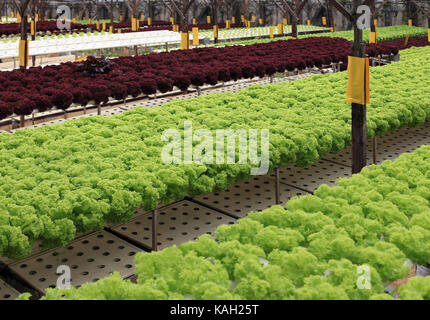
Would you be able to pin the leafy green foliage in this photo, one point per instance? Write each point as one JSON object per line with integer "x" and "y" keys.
{"x": 383, "y": 33}
{"x": 417, "y": 288}
{"x": 61, "y": 179}
{"x": 307, "y": 251}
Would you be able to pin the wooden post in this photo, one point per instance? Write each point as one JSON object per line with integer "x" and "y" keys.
{"x": 154, "y": 230}
{"x": 374, "y": 147}
{"x": 277, "y": 186}
{"x": 330, "y": 17}
{"x": 358, "y": 110}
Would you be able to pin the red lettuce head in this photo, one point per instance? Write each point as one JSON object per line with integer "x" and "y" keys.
{"x": 62, "y": 99}
{"x": 6, "y": 110}
{"x": 24, "y": 106}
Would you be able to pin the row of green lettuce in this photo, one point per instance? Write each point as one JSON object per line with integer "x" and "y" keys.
{"x": 383, "y": 34}
{"x": 75, "y": 177}
{"x": 344, "y": 242}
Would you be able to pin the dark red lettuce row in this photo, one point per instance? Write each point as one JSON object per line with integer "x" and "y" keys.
{"x": 51, "y": 26}
{"x": 24, "y": 90}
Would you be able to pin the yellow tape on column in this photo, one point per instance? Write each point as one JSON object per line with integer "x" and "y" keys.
{"x": 284, "y": 21}
{"x": 309, "y": 22}
{"x": 233, "y": 20}
{"x": 428, "y": 35}
{"x": 253, "y": 18}
{"x": 194, "y": 21}
{"x": 195, "y": 36}
{"x": 358, "y": 80}
{"x": 215, "y": 31}
{"x": 280, "y": 28}
{"x": 33, "y": 28}
{"x": 227, "y": 24}
{"x": 324, "y": 21}
{"x": 407, "y": 39}
{"x": 372, "y": 37}
{"x": 184, "y": 40}
{"x": 149, "y": 21}
{"x": 23, "y": 53}
{"x": 375, "y": 22}
{"x": 271, "y": 32}
{"x": 410, "y": 22}
{"x": 208, "y": 19}
{"x": 260, "y": 21}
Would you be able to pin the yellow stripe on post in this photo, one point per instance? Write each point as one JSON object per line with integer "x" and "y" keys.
{"x": 407, "y": 39}
{"x": 120, "y": 18}
{"x": 410, "y": 22}
{"x": 33, "y": 28}
{"x": 111, "y": 29}
{"x": 372, "y": 37}
{"x": 208, "y": 19}
{"x": 12, "y": 14}
{"x": 90, "y": 21}
{"x": 74, "y": 20}
{"x": 428, "y": 35}
{"x": 242, "y": 18}
{"x": 172, "y": 20}
{"x": 271, "y": 32}
{"x": 195, "y": 36}
{"x": 233, "y": 20}
{"x": 284, "y": 21}
{"x": 184, "y": 40}
{"x": 375, "y": 22}
{"x": 194, "y": 21}
{"x": 280, "y": 28}
{"x": 260, "y": 21}
{"x": 98, "y": 25}
{"x": 142, "y": 17}
{"x": 227, "y": 24}
{"x": 104, "y": 26}
{"x": 324, "y": 21}
{"x": 23, "y": 53}
{"x": 253, "y": 18}
{"x": 37, "y": 17}
{"x": 149, "y": 21}
{"x": 309, "y": 22}
{"x": 119, "y": 30}
{"x": 358, "y": 80}
{"x": 137, "y": 25}
{"x": 216, "y": 31}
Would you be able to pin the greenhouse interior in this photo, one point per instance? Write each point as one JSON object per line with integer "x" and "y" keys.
{"x": 244, "y": 150}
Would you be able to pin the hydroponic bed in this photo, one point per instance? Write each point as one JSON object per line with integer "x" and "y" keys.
{"x": 92, "y": 197}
